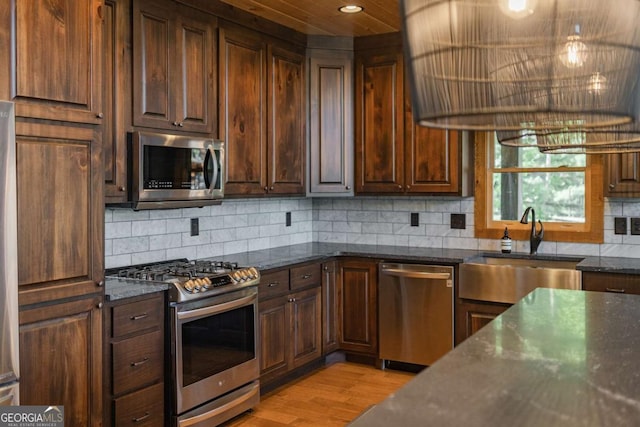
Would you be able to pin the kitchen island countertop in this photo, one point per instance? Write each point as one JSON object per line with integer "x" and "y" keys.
{"x": 556, "y": 358}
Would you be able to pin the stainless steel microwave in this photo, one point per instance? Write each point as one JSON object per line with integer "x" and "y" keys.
{"x": 173, "y": 171}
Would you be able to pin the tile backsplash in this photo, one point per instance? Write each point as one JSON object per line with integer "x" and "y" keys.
{"x": 251, "y": 224}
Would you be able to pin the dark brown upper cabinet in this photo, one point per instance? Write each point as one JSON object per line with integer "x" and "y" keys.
{"x": 262, "y": 110}
{"x": 393, "y": 153}
{"x": 174, "y": 51}
{"x": 52, "y": 58}
{"x": 622, "y": 175}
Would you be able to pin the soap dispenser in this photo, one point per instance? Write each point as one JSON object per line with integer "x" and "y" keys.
{"x": 505, "y": 242}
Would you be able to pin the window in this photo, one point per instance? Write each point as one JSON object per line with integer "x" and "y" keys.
{"x": 564, "y": 189}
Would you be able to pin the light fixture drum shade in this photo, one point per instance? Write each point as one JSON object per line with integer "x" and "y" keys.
{"x": 616, "y": 139}
{"x": 472, "y": 66}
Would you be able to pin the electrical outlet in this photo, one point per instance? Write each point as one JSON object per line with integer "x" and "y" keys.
{"x": 195, "y": 226}
{"x": 458, "y": 221}
{"x": 620, "y": 225}
{"x": 415, "y": 219}
{"x": 287, "y": 219}
{"x": 635, "y": 226}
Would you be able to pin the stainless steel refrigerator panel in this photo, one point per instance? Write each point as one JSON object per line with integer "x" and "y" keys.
{"x": 9, "y": 356}
{"x": 9, "y": 395}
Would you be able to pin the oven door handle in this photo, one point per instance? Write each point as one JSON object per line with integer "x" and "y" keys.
{"x": 217, "y": 308}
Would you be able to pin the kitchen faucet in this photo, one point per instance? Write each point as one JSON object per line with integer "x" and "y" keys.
{"x": 536, "y": 237}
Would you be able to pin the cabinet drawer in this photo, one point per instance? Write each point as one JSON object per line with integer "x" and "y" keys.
{"x": 273, "y": 284}
{"x": 611, "y": 282}
{"x": 137, "y": 361}
{"x": 305, "y": 276}
{"x": 137, "y": 316}
{"x": 143, "y": 408}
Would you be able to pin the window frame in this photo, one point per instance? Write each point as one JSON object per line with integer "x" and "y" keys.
{"x": 591, "y": 231}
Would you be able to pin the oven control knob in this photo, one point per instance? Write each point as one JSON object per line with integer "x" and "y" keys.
{"x": 236, "y": 277}
{"x": 253, "y": 272}
{"x": 206, "y": 282}
{"x": 244, "y": 275}
{"x": 189, "y": 286}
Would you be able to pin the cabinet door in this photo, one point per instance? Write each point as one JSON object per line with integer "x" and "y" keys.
{"x": 330, "y": 124}
{"x": 379, "y": 123}
{"x": 61, "y": 361}
{"x": 330, "y": 304}
{"x": 194, "y": 54}
{"x": 286, "y": 126}
{"x": 243, "y": 110}
{"x": 432, "y": 160}
{"x": 117, "y": 87}
{"x": 358, "y": 329}
{"x": 306, "y": 326}
{"x": 153, "y": 39}
{"x": 471, "y": 316}
{"x": 622, "y": 175}
{"x": 60, "y": 211}
{"x": 274, "y": 338}
{"x": 52, "y": 54}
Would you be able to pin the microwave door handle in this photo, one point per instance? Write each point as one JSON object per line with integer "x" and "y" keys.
{"x": 210, "y": 157}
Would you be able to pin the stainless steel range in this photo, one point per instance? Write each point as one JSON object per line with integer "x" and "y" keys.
{"x": 213, "y": 310}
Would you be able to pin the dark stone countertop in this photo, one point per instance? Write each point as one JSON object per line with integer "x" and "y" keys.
{"x": 556, "y": 358}
{"x": 117, "y": 289}
{"x": 269, "y": 259}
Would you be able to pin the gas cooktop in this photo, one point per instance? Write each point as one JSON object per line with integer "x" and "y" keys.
{"x": 191, "y": 280}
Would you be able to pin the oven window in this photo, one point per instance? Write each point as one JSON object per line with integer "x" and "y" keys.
{"x": 174, "y": 168}
{"x": 215, "y": 343}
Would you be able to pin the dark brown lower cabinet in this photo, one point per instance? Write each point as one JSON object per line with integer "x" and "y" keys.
{"x": 290, "y": 333}
{"x": 471, "y": 316}
{"x": 611, "y": 282}
{"x": 330, "y": 304}
{"x": 61, "y": 361}
{"x": 135, "y": 362}
{"x": 358, "y": 307}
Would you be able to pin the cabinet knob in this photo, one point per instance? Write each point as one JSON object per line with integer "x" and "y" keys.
{"x": 271, "y": 188}
{"x": 100, "y": 305}
{"x": 180, "y": 124}
{"x": 122, "y": 189}
{"x": 399, "y": 187}
{"x": 292, "y": 300}
{"x": 175, "y": 123}
{"x": 612, "y": 186}
{"x": 100, "y": 115}
{"x": 348, "y": 187}
{"x": 408, "y": 187}
{"x": 100, "y": 283}
{"x": 266, "y": 189}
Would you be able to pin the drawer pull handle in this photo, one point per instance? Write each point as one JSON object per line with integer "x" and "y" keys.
{"x": 139, "y": 316}
{"x": 142, "y": 418}
{"x": 271, "y": 285}
{"x": 307, "y": 276}
{"x": 617, "y": 291}
{"x": 141, "y": 362}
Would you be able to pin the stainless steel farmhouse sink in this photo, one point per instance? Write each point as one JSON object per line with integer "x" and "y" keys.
{"x": 508, "y": 279}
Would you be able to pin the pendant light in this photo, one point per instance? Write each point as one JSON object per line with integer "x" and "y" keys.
{"x": 617, "y": 139}
{"x": 497, "y": 64}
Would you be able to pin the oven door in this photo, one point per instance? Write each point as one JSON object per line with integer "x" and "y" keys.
{"x": 216, "y": 347}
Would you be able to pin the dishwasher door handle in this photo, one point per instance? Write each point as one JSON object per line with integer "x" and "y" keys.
{"x": 415, "y": 274}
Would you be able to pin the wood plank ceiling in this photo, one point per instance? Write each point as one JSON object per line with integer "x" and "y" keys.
{"x": 321, "y": 17}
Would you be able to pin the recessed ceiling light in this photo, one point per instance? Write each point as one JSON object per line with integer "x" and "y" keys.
{"x": 351, "y": 8}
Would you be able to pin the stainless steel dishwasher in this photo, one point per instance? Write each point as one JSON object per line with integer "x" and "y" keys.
{"x": 415, "y": 312}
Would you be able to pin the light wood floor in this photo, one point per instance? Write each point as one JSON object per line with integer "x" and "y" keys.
{"x": 333, "y": 396}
